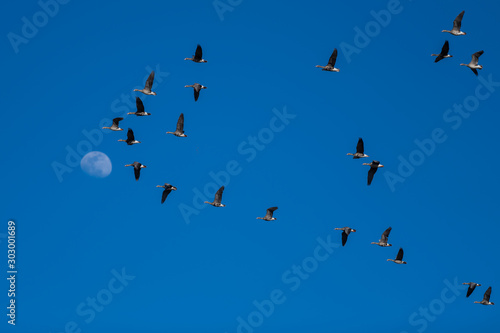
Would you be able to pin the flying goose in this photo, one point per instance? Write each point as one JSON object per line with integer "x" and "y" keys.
{"x": 444, "y": 52}
{"x": 167, "y": 189}
{"x": 137, "y": 169}
{"x": 130, "y": 138}
{"x": 384, "y": 238}
{"x": 140, "y": 108}
{"x": 148, "y": 85}
{"x": 269, "y": 214}
{"x": 218, "y": 198}
{"x": 345, "y": 232}
{"x": 115, "y": 126}
{"x": 472, "y": 286}
{"x": 331, "y": 63}
{"x": 373, "y": 168}
{"x": 457, "y": 24}
{"x": 473, "y": 63}
{"x": 197, "y": 55}
{"x": 197, "y": 87}
{"x": 486, "y": 298}
{"x": 399, "y": 257}
{"x": 360, "y": 150}
{"x": 180, "y": 127}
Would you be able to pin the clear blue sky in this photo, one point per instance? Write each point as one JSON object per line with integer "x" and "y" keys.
{"x": 74, "y": 231}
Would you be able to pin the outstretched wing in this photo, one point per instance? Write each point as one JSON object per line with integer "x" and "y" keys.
{"x": 149, "y": 81}
{"x": 139, "y": 105}
{"x": 471, "y": 288}
{"x": 197, "y": 89}
{"x": 137, "y": 171}
{"x": 457, "y": 23}
{"x": 360, "y": 147}
{"x": 385, "y": 235}
{"x": 400, "y": 254}
{"x": 116, "y": 121}
{"x": 475, "y": 57}
{"x": 371, "y": 173}
{"x": 487, "y": 295}
{"x": 344, "y": 237}
{"x": 198, "y": 54}
{"x": 269, "y": 212}
{"x": 333, "y": 58}
{"x": 180, "y": 124}
{"x": 218, "y": 195}
{"x": 474, "y": 71}
{"x": 165, "y": 194}
{"x": 445, "y": 49}
{"x": 130, "y": 135}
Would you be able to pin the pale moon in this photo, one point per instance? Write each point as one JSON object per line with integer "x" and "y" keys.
{"x": 96, "y": 164}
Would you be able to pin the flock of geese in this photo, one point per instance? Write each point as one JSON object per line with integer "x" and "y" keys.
{"x": 374, "y": 165}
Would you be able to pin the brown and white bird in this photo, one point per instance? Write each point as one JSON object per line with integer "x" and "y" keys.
{"x": 137, "y": 169}
{"x": 149, "y": 85}
{"x": 384, "y": 238}
{"x": 444, "y": 52}
{"x": 140, "y": 108}
{"x": 130, "y": 138}
{"x": 360, "y": 150}
{"x": 457, "y": 24}
{"x": 167, "y": 189}
{"x": 330, "y": 67}
{"x": 399, "y": 257}
{"x": 472, "y": 286}
{"x": 196, "y": 87}
{"x": 179, "y": 131}
{"x": 198, "y": 55}
{"x": 269, "y": 214}
{"x": 486, "y": 298}
{"x": 473, "y": 63}
{"x": 374, "y": 165}
{"x": 217, "y": 199}
{"x": 115, "y": 126}
{"x": 345, "y": 232}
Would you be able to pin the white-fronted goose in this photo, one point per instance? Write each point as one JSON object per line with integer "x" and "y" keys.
{"x": 167, "y": 189}
{"x": 399, "y": 257}
{"x": 330, "y": 67}
{"x": 269, "y": 214}
{"x": 360, "y": 150}
{"x": 217, "y": 199}
{"x": 137, "y": 169}
{"x": 473, "y": 63}
{"x": 115, "y": 126}
{"x": 345, "y": 232}
{"x": 140, "y": 108}
{"x": 130, "y": 138}
{"x": 472, "y": 286}
{"x": 444, "y": 52}
{"x": 384, "y": 238}
{"x": 198, "y": 55}
{"x": 196, "y": 87}
{"x": 149, "y": 85}
{"x": 374, "y": 165}
{"x": 179, "y": 131}
{"x": 457, "y": 24}
{"x": 486, "y": 298}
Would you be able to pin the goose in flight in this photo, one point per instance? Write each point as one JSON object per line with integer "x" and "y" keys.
{"x": 148, "y": 85}
{"x": 140, "y": 108}
{"x": 197, "y": 87}
{"x": 384, "y": 238}
{"x": 360, "y": 150}
{"x": 373, "y": 169}
{"x": 269, "y": 215}
{"x": 115, "y": 126}
{"x": 345, "y": 232}
{"x": 198, "y": 55}
{"x": 399, "y": 257}
{"x": 167, "y": 189}
{"x": 217, "y": 199}
{"x": 486, "y": 298}
{"x": 179, "y": 131}
{"x": 472, "y": 286}
{"x": 130, "y": 138}
{"x": 473, "y": 63}
{"x": 444, "y": 52}
{"x": 331, "y": 63}
{"x": 137, "y": 169}
{"x": 457, "y": 24}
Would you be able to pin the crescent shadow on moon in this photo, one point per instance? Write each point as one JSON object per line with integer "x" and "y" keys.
{"x": 96, "y": 164}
